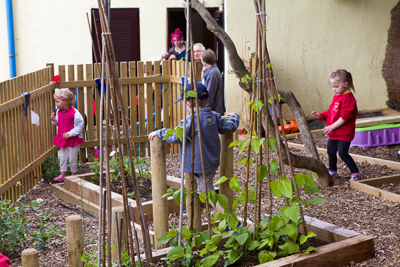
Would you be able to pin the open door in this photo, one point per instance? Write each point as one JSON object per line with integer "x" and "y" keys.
{"x": 177, "y": 19}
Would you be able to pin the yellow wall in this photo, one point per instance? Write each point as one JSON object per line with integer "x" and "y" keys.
{"x": 308, "y": 39}
{"x": 48, "y": 31}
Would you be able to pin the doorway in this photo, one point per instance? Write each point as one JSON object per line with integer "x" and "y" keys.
{"x": 124, "y": 26}
{"x": 176, "y": 19}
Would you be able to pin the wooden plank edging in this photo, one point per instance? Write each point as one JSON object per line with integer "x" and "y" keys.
{"x": 381, "y": 162}
{"x": 368, "y": 186}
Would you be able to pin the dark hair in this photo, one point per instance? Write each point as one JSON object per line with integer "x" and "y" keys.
{"x": 208, "y": 56}
{"x": 343, "y": 76}
{"x": 202, "y": 102}
{"x": 172, "y": 53}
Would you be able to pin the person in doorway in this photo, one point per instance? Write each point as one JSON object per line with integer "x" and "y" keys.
{"x": 212, "y": 80}
{"x": 341, "y": 122}
{"x": 211, "y": 123}
{"x": 178, "y": 45}
{"x": 69, "y": 135}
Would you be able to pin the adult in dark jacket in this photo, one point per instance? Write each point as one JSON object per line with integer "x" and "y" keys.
{"x": 213, "y": 82}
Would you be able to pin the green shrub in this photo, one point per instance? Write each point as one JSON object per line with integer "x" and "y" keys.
{"x": 51, "y": 169}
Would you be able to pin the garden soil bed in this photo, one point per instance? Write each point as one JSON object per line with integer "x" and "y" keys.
{"x": 346, "y": 207}
{"x": 144, "y": 187}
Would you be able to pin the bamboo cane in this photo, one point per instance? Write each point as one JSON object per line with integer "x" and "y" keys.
{"x": 111, "y": 71}
{"x": 110, "y": 64}
{"x": 201, "y": 157}
{"x": 195, "y": 198}
{"x": 184, "y": 135}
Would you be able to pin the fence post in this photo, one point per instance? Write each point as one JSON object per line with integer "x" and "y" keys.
{"x": 123, "y": 238}
{"x": 74, "y": 240}
{"x": 159, "y": 188}
{"x": 226, "y": 167}
{"x": 30, "y": 258}
{"x": 196, "y": 222}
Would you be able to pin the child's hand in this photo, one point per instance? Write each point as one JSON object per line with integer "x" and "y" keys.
{"x": 229, "y": 114}
{"x": 328, "y": 129}
{"x": 66, "y": 135}
{"x": 151, "y": 135}
{"x": 53, "y": 117}
{"x": 316, "y": 115}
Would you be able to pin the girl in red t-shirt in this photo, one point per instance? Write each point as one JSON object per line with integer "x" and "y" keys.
{"x": 341, "y": 122}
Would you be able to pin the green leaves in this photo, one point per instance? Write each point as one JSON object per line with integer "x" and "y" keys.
{"x": 255, "y": 145}
{"x": 176, "y": 253}
{"x": 191, "y": 93}
{"x": 234, "y": 183}
{"x": 242, "y": 146}
{"x": 265, "y": 256}
{"x": 262, "y": 172}
{"x": 221, "y": 180}
{"x": 303, "y": 238}
{"x": 210, "y": 260}
{"x": 318, "y": 200}
{"x": 290, "y": 247}
{"x": 179, "y": 132}
{"x": 177, "y": 195}
{"x": 169, "y": 132}
{"x": 292, "y": 231}
{"x": 258, "y": 105}
{"x": 273, "y": 166}
{"x": 281, "y": 187}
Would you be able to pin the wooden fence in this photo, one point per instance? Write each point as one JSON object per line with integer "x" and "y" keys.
{"x": 24, "y": 146}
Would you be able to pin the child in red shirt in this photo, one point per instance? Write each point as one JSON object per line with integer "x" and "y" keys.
{"x": 341, "y": 122}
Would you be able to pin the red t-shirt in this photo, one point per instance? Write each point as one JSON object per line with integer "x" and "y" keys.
{"x": 345, "y": 107}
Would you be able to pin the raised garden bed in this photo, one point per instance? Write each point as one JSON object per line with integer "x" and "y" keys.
{"x": 345, "y": 246}
{"x": 77, "y": 190}
{"x": 370, "y": 186}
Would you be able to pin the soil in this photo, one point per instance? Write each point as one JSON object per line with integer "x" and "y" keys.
{"x": 144, "y": 187}
{"x": 346, "y": 207}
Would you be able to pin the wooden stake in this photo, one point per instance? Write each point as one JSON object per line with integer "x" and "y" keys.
{"x": 226, "y": 167}
{"x": 30, "y": 258}
{"x": 74, "y": 240}
{"x": 193, "y": 204}
{"x": 115, "y": 235}
{"x": 159, "y": 188}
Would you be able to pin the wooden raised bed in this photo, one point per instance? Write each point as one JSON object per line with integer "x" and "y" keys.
{"x": 77, "y": 190}
{"x": 345, "y": 246}
{"x": 369, "y": 186}
{"x": 381, "y": 162}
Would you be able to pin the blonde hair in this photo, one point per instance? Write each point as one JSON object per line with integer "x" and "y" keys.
{"x": 65, "y": 95}
{"x": 344, "y": 77}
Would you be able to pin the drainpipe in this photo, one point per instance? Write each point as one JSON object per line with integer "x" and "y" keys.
{"x": 11, "y": 44}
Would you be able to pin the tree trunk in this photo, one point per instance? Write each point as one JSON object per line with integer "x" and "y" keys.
{"x": 311, "y": 161}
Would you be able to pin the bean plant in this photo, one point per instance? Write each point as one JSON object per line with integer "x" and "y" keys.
{"x": 274, "y": 237}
